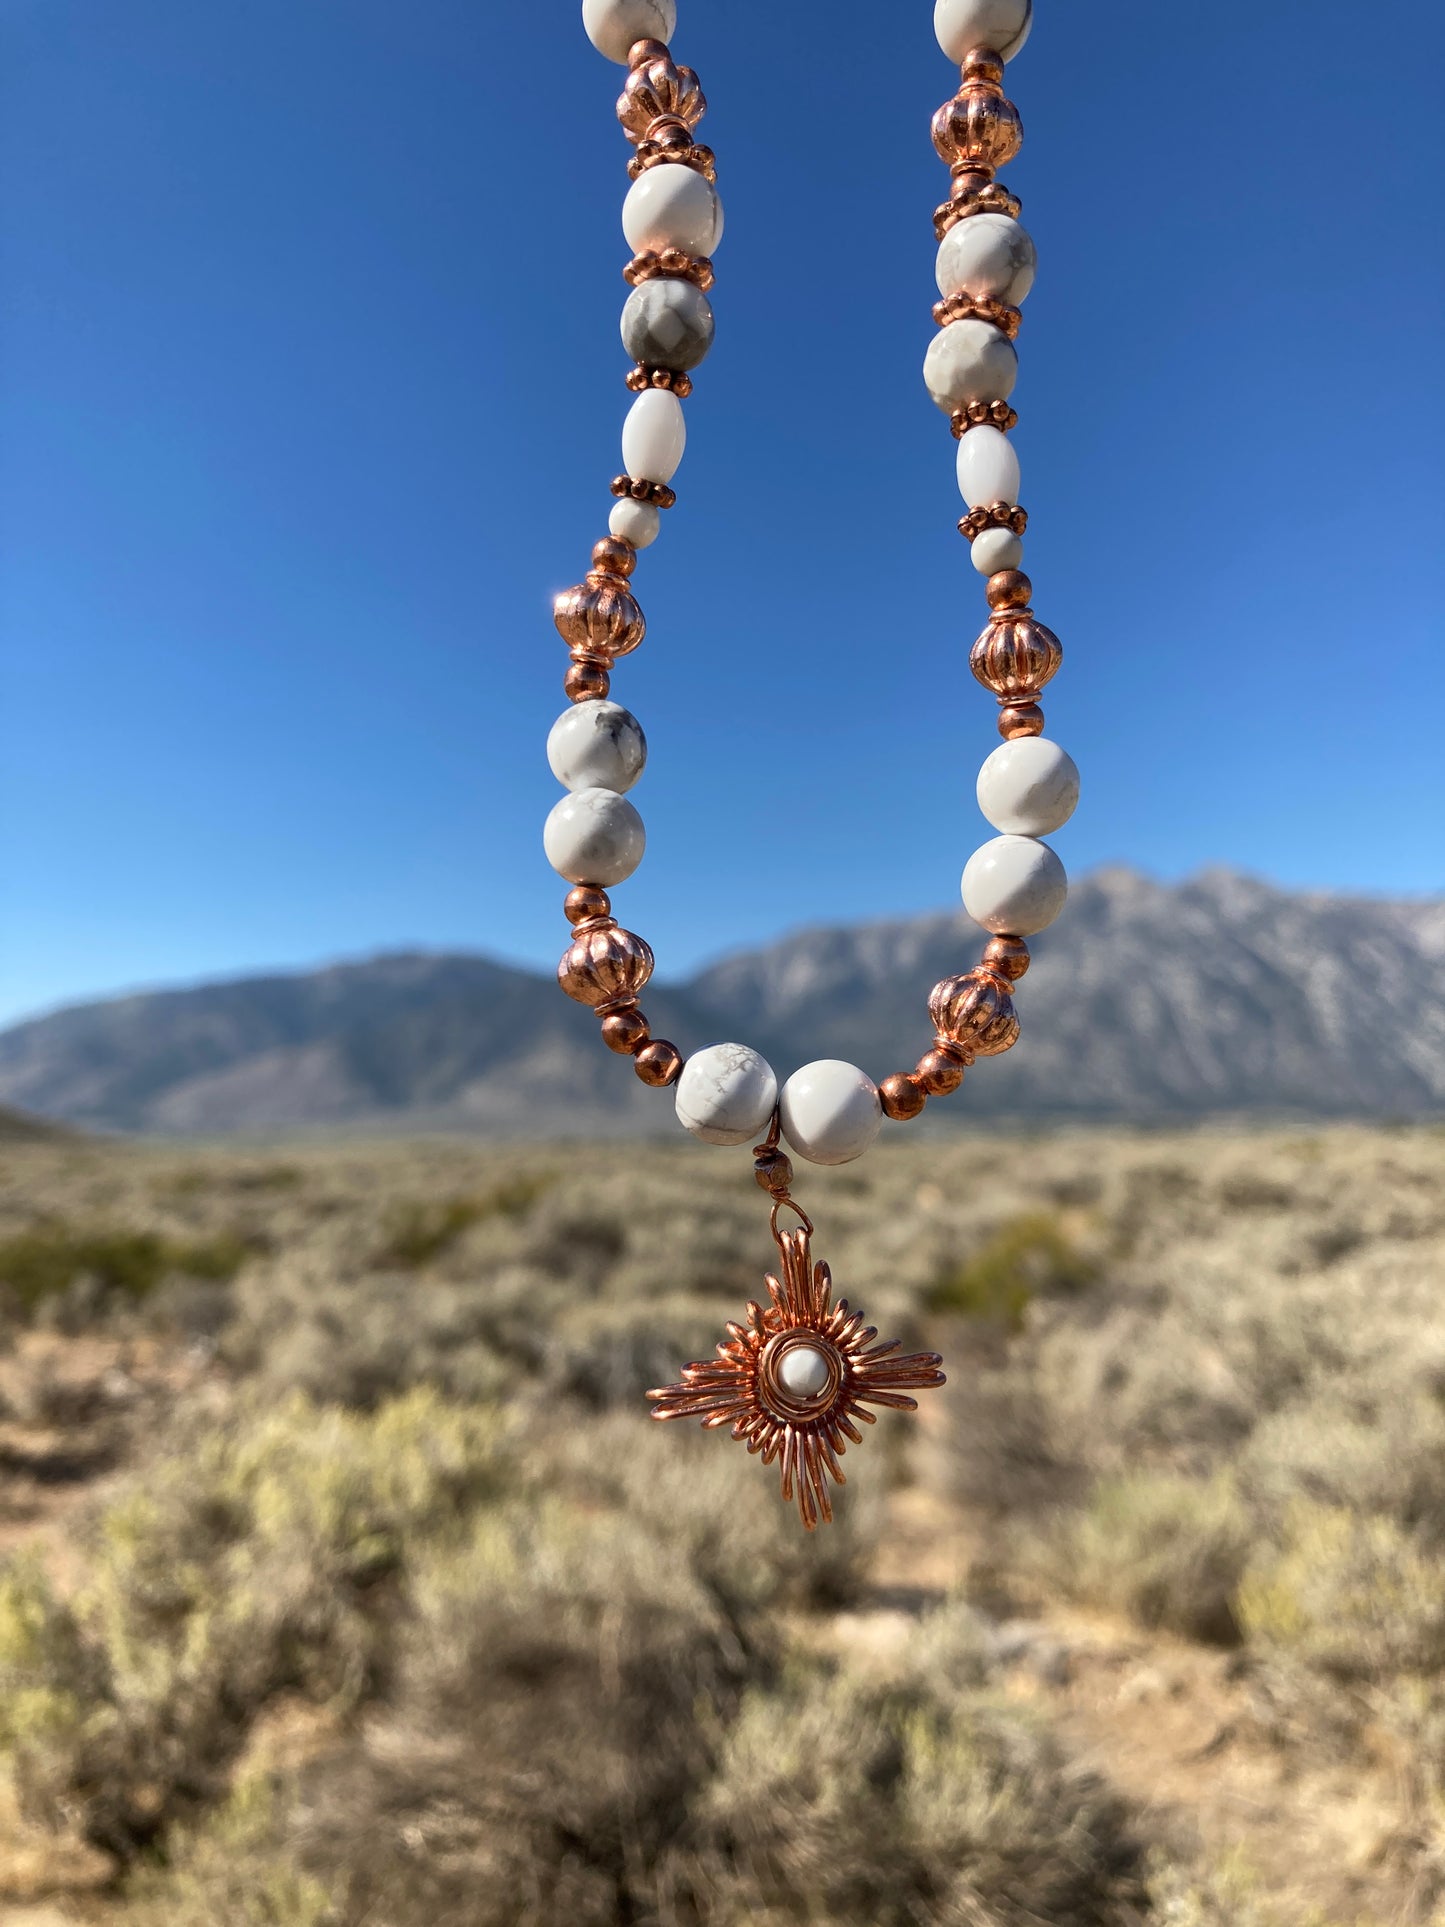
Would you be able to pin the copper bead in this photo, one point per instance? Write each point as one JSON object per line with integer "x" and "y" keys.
{"x": 773, "y": 1170}
{"x": 1016, "y": 655}
{"x": 1009, "y": 589}
{"x": 979, "y": 130}
{"x": 660, "y": 102}
{"x": 975, "y": 1012}
{"x": 649, "y": 265}
{"x": 586, "y": 904}
{"x": 586, "y": 681}
{"x": 901, "y": 1096}
{"x": 625, "y": 1031}
{"x": 938, "y": 1072}
{"x": 605, "y": 963}
{"x": 1007, "y": 957}
{"x": 658, "y": 1063}
{"x": 600, "y": 617}
{"x": 1020, "y": 719}
{"x": 613, "y": 555}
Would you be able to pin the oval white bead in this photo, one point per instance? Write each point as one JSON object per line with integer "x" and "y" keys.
{"x": 970, "y": 361}
{"x": 988, "y": 467}
{"x": 1014, "y": 886}
{"x": 594, "y": 836}
{"x": 988, "y": 256}
{"x": 636, "y": 522}
{"x": 672, "y": 207}
{"x": 1028, "y": 787}
{"x": 614, "y": 25}
{"x": 995, "y": 549}
{"x": 1000, "y": 25}
{"x": 654, "y": 436}
{"x": 597, "y": 745}
{"x": 804, "y": 1371}
{"x": 726, "y": 1094}
{"x": 830, "y": 1111}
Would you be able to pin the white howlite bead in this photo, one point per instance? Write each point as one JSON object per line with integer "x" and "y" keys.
{"x": 995, "y": 549}
{"x": 654, "y": 436}
{"x": 988, "y": 256}
{"x": 594, "y": 836}
{"x": 988, "y": 467}
{"x": 804, "y": 1371}
{"x": 970, "y": 361}
{"x": 613, "y": 26}
{"x": 1028, "y": 787}
{"x": 726, "y": 1094}
{"x": 671, "y": 206}
{"x": 597, "y": 746}
{"x": 1000, "y": 25}
{"x": 1014, "y": 886}
{"x": 830, "y": 1111}
{"x": 637, "y": 522}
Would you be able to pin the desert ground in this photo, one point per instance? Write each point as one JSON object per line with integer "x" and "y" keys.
{"x": 344, "y": 1579}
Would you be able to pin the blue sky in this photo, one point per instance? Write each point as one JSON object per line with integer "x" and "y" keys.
{"x": 310, "y": 390}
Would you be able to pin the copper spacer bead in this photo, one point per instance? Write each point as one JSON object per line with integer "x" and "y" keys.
{"x": 658, "y": 1063}
{"x": 980, "y": 414}
{"x": 670, "y": 263}
{"x": 640, "y": 376}
{"x": 773, "y": 1170}
{"x": 658, "y": 493}
{"x": 586, "y": 682}
{"x": 1009, "y": 589}
{"x": 586, "y": 904}
{"x": 938, "y": 1073}
{"x": 614, "y": 556}
{"x": 972, "y": 307}
{"x": 625, "y": 1031}
{"x": 902, "y": 1097}
{"x": 997, "y": 515}
{"x": 1007, "y": 956}
{"x": 1020, "y": 719}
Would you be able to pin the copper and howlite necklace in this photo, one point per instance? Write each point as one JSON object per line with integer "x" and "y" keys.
{"x": 793, "y": 1378}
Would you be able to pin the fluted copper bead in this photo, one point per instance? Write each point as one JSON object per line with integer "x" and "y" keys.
{"x": 979, "y": 130}
{"x": 1006, "y": 957}
{"x": 939, "y": 1072}
{"x": 976, "y": 1012}
{"x": 901, "y": 1097}
{"x": 658, "y": 1063}
{"x": 586, "y": 904}
{"x": 604, "y": 964}
{"x": 625, "y": 1031}
{"x": 600, "y": 619}
{"x": 1015, "y": 656}
{"x": 660, "y": 101}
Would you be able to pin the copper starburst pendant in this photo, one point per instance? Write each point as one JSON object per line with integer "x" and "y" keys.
{"x": 793, "y": 1379}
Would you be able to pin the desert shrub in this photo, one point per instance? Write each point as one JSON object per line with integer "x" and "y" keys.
{"x": 421, "y": 1229}
{"x": 1382, "y": 1452}
{"x": 238, "y": 1869}
{"x": 1167, "y": 1551}
{"x": 261, "y": 1556}
{"x": 1356, "y": 1597}
{"x": 1226, "y": 1895}
{"x": 44, "y": 1261}
{"x": 1028, "y": 1257}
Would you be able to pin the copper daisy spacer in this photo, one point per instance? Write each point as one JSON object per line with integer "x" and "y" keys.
{"x": 671, "y": 263}
{"x": 983, "y": 414}
{"x": 974, "y": 193}
{"x": 997, "y": 515}
{"x": 968, "y": 307}
{"x": 640, "y": 376}
{"x": 658, "y": 493}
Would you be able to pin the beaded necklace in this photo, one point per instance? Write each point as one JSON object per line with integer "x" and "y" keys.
{"x": 794, "y": 1379}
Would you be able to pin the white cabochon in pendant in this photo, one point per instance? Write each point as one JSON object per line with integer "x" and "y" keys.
{"x": 1014, "y": 886}
{"x": 988, "y": 467}
{"x": 1028, "y": 787}
{"x": 654, "y": 436}
{"x": 726, "y": 1094}
{"x": 672, "y": 206}
{"x": 830, "y": 1111}
{"x": 804, "y": 1371}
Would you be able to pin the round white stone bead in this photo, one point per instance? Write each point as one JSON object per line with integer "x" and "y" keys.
{"x": 995, "y": 549}
{"x": 726, "y": 1094}
{"x": 614, "y": 25}
{"x": 637, "y": 522}
{"x": 1000, "y": 25}
{"x": 1028, "y": 787}
{"x": 654, "y": 436}
{"x": 594, "y": 836}
{"x": 830, "y": 1111}
{"x": 804, "y": 1371}
{"x": 597, "y": 746}
{"x": 970, "y": 361}
{"x": 672, "y": 207}
{"x": 986, "y": 255}
{"x": 1014, "y": 886}
{"x": 988, "y": 467}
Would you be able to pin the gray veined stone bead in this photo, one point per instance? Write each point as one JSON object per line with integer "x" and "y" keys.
{"x": 667, "y": 323}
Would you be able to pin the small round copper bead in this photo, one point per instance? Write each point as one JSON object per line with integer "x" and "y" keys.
{"x": 604, "y": 963}
{"x": 586, "y": 682}
{"x": 658, "y": 1063}
{"x": 1020, "y": 719}
{"x": 1008, "y": 589}
{"x": 937, "y": 1073}
{"x": 614, "y": 556}
{"x": 901, "y": 1096}
{"x": 586, "y": 904}
{"x": 976, "y": 1012}
{"x": 625, "y": 1031}
{"x": 1007, "y": 956}
{"x": 773, "y": 1170}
